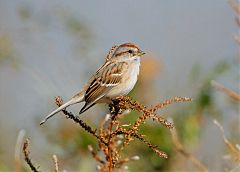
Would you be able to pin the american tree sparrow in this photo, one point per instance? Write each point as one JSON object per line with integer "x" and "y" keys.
{"x": 116, "y": 77}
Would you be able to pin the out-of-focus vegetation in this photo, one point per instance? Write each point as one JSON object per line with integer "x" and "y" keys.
{"x": 7, "y": 51}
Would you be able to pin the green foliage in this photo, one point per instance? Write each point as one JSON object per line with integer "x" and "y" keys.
{"x": 4, "y": 168}
{"x": 83, "y": 139}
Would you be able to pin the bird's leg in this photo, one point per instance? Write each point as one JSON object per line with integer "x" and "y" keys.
{"x": 111, "y": 108}
{"x": 114, "y": 107}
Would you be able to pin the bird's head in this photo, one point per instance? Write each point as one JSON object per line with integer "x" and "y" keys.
{"x": 127, "y": 51}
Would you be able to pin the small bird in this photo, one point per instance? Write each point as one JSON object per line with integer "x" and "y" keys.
{"x": 116, "y": 77}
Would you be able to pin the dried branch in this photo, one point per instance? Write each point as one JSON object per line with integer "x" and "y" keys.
{"x": 26, "y": 156}
{"x": 235, "y": 153}
{"x": 95, "y": 155}
{"x": 18, "y": 149}
{"x": 76, "y": 119}
{"x": 56, "y": 166}
{"x": 170, "y": 101}
{"x": 123, "y": 161}
{"x": 113, "y": 136}
{"x": 180, "y": 148}
{"x": 151, "y": 146}
{"x": 225, "y": 90}
{"x": 127, "y": 102}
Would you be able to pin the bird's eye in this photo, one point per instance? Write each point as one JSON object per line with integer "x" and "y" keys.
{"x": 130, "y": 51}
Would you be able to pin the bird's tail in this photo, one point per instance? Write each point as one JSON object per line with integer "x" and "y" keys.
{"x": 74, "y": 100}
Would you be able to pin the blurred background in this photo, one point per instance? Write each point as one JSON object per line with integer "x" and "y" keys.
{"x": 50, "y": 48}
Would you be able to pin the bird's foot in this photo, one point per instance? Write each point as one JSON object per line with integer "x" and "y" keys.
{"x": 114, "y": 107}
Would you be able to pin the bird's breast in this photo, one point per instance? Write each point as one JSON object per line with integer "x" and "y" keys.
{"x": 128, "y": 80}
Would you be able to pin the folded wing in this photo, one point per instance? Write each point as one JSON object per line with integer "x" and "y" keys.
{"x": 105, "y": 79}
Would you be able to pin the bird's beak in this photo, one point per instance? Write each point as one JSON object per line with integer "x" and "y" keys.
{"x": 140, "y": 53}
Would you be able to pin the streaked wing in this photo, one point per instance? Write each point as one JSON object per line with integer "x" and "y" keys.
{"x": 111, "y": 51}
{"x": 107, "y": 77}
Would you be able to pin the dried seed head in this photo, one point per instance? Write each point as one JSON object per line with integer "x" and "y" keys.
{"x": 107, "y": 117}
{"x": 90, "y": 148}
{"x": 135, "y": 158}
{"x": 126, "y": 125}
{"x": 120, "y": 136}
{"x": 119, "y": 142}
{"x": 238, "y": 146}
{"x": 99, "y": 167}
{"x": 125, "y": 112}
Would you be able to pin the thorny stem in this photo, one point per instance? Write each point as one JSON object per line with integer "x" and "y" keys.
{"x": 95, "y": 156}
{"x": 109, "y": 157}
{"x": 170, "y": 101}
{"x": 141, "y": 138}
{"x": 83, "y": 125}
{"x": 151, "y": 146}
{"x": 147, "y": 113}
{"x": 55, "y": 160}
{"x": 26, "y": 156}
{"x": 114, "y": 110}
{"x": 77, "y": 120}
{"x": 107, "y": 136}
{"x": 110, "y": 149}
